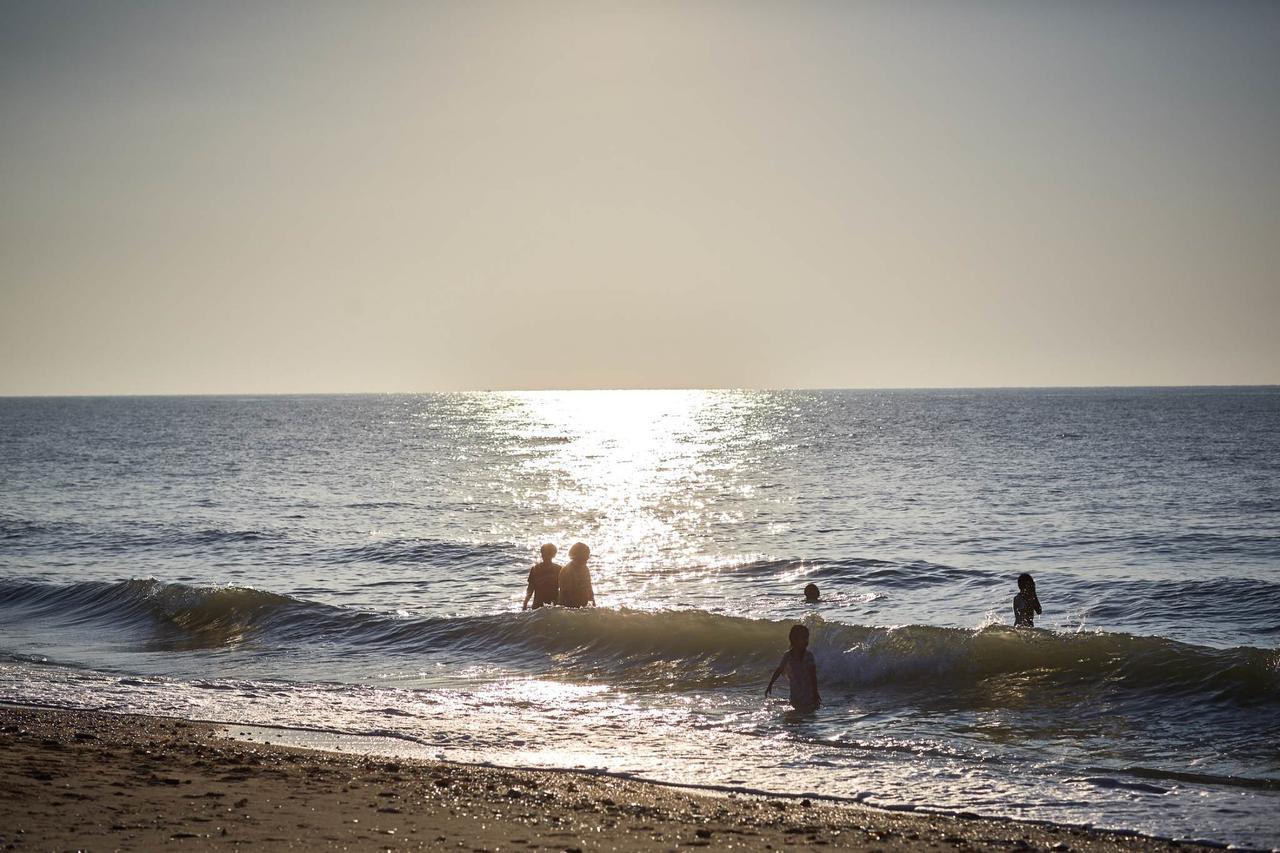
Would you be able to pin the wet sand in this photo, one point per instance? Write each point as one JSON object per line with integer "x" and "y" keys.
{"x": 86, "y": 780}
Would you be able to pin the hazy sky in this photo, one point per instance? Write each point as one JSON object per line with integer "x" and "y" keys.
{"x": 262, "y": 197}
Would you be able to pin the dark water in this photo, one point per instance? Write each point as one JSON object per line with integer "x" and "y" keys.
{"x": 356, "y": 564}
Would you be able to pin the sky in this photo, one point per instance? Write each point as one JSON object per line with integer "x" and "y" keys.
{"x": 298, "y": 197}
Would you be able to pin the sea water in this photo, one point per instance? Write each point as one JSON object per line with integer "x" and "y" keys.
{"x": 356, "y": 564}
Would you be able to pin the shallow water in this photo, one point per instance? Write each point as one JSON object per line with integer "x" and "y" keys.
{"x": 357, "y": 563}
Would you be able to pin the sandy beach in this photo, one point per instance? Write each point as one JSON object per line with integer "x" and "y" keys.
{"x": 84, "y": 780}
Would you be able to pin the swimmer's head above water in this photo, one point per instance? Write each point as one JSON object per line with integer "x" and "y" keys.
{"x": 811, "y": 593}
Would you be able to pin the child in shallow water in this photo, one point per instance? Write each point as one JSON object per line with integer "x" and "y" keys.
{"x": 1026, "y": 606}
{"x": 801, "y": 671}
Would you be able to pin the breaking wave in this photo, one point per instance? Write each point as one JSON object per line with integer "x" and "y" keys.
{"x": 664, "y": 650}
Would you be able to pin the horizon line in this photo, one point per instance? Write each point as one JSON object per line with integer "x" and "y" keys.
{"x": 213, "y": 394}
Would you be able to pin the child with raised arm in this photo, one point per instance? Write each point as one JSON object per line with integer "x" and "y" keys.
{"x": 801, "y": 671}
{"x": 1026, "y": 606}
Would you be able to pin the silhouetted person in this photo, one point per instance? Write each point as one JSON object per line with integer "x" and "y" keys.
{"x": 801, "y": 671}
{"x": 575, "y": 579}
{"x": 1026, "y": 606}
{"x": 544, "y": 580}
{"x": 811, "y": 593}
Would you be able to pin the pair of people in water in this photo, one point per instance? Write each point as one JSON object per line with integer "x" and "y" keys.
{"x": 568, "y": 585}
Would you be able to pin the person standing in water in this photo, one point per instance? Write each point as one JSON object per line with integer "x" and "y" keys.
{"x": 801, "y": 671}
{"x": 544, "y": 581}
{"x": 1026, "y": 606}
{"x": 575, "y": 579}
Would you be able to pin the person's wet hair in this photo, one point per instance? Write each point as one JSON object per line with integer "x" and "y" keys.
{"x": 1025, "y": 581}
{"x": 798, "y": 631}
{"x": 811, "y": 592}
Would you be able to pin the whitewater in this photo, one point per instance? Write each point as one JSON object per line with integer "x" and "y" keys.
{"x": 354, "y": 566}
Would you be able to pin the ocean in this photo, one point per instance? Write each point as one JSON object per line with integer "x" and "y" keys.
{"x": 356, "y": 564}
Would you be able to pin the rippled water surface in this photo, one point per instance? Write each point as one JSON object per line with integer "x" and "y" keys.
{"x": 357, "y": 564}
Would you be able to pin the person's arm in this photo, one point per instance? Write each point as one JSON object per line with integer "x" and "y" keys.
{"x": 776, "y": 673}
{"x": 1035, "y": 602}
{"x": 591, "y": 592}
{"x": 528, "y": 593}
{"x": 813, "y": 673}
{"x": 782, "y": 665}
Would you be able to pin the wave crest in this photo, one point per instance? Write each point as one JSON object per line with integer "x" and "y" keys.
{"x": 669, "y": 650}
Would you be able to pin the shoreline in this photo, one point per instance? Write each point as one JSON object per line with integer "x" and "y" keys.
{"x": 130, "y": 782}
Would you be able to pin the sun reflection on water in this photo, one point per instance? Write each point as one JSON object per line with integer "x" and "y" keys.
{"x": 639, "y": 476}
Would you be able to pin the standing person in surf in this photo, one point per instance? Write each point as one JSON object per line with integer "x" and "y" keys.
{"x": 801, "y": 670}
{"x": 544, "y": 580}
{"x": 575, "y": 579}
{"x": 1026, "y": 606}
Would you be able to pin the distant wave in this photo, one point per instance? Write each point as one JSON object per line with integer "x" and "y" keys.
{"x": 78, "y": 535}
{"x": 671, "y": 650}
{"x": 415, "y": 551}
{"x": 421, "y": 552}
{"x": 861, "y": 570}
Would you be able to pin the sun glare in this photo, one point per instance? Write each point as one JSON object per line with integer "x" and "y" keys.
{"x": 619, "y": 465}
